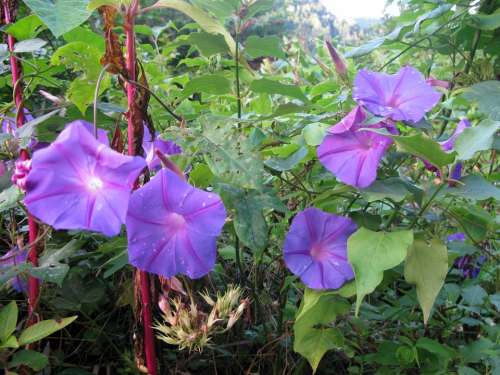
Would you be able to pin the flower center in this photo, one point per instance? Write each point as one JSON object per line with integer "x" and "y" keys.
{"x": 319, "y": 252}
{"x": 94, "y": 183}
{"x": 175, "y": 221}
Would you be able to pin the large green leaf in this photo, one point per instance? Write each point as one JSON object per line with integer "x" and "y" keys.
{"x": 486, "y": 95}
{"x": 208, "y": 44}
{"x": 312, "y": 337}
{"x": 477, "y": 138}
{"x": 279, "y": 164}
{"x": 476, "y": 188}
{"x": 25, "y": 28}
{"x": 34, "y": 360}
{"x": 213, "y": 84}
{"x": 206, "y": 22}
{"x": 267, "y": 86}
{"x": 8, "y": 320}
{"x": 374, "y": 43}
{"x": 392, "y": 188}
{"x": 42, "y": 329}
{"x": 426, "y": 266}
{"x": 9, "y": 198}
{"x": 60, "y": 16}
{"x": 486, "y": 21}
{"x": 256, "y": 46}
{"x": 425, "y": 148}
{"x": 371, "y": 253}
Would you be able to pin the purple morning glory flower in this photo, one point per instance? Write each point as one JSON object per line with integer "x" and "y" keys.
{"x": 12, "y": 258}
{"x": 80, "y": 183}
{"x": 315, "y": 249}
{"x": 351, "y": 154}
{"x": 459, "y": 236}
{"x": 172, "y": 227}
{"x": 404, "y": 96}
{"x": 150, "y": 144}
{"x": 9, "y": 125}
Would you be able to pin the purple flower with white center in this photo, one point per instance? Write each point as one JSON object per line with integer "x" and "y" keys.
{"x": 151, "y": 144}
{"x": 12, "y": 258}
{"x": 172, "y": 227}
{"x": 351, "y": 154}
{"x": 315, "y": 249}
{"x": 404, "y": 96}
{"x": 80, "y": 183}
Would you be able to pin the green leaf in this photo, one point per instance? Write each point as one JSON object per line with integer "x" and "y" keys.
{"x": 267, "y": 86}
{"x": 34, "y": 360}
{"x": 436, "y": 12}
{"x": 208, "y": 44}
{"x": 318, "y": 308}
{"x": 475, "y": 188}
{"x": 9, "y": 342}
{"x": 486, "y": 21}
{"x": 477, "y": 138}
{"x": 9, "y": 198}
{"x": 290, "y": 162}
{"x": 206, "y": 22}
{"x": 486, "y": 95}
{"x": 256, "y": 46}
{"x": 60, "y": 16}
{"x": 29, "y": 45}
{"x": 94, "y": 4}
{"x": 25, "y": 28}
{"x": 50, "y": 268}
{"x": 249, "y": 222}
{"x": 43, "y": 329}
{"x": 8, "y": 320}
{"x": 374, "y": 43}
{"x": 473, "y": 220}
{"x": 474, "y": 295}
{"x": 212, "y": 84}
{"x": 28, "y": 130}
{"x": 425, "y": 148}
{"x": 392, "y": 188}
{"x": 426, "y": 266}
{"x": 371, "y": 253}
{"x": 314, "y": 133}
{"x": 434, "y": 347}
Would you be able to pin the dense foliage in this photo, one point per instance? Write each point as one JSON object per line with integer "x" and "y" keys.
{"x": 306, "y": 195}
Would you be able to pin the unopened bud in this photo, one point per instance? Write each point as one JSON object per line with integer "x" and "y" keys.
{"x": 339, "y": 63}
{"x": 21, "y": 170}
{"x": 438, "y": 83}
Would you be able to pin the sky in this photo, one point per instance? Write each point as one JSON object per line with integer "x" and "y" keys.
{"x": 350, "y": 9}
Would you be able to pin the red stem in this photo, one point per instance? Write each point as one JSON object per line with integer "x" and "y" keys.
{"x": 33, "y": 283}
{"x": 149, "y": 345}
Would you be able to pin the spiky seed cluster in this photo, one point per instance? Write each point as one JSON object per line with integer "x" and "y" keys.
{"x": 187, "y": 327}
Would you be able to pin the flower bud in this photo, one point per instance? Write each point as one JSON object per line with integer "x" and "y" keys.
{"x": 339, "y": 63}
{"x": 438, "y": 83}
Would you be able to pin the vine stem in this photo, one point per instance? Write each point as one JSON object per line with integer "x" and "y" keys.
{"x": 33, "y": 283}
{"x": 131, "y": 65}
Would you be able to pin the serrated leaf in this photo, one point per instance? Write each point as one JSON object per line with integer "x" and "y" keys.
{"x": 256, "y": 46}
{"x": 42, "y": 329}
{"x": 372, "y": 253}
{"x": 426, "y": 267}
{"x": 477, "y": 138}
{"x": 60, "y": 16}
{"x": 8, "y": 320}
{"x": 267, "y": 86}
{"x": 423, "y": 147}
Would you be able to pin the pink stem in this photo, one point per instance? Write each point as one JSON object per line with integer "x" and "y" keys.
{"x": 149, "y": 345}
{"x": 33, "y": 283}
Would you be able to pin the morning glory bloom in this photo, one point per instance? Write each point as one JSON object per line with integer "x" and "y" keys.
{"x": 404, "y": 96}
{"x": 459, "y": 236}
{"x": 80, "y": 183}
{"x": 351, "y": 154}
{"x": 12, "y": 258}
{"x": 172, "y": 227}
{"x": 315, "y": 248}
{"x": 151, "y": 144}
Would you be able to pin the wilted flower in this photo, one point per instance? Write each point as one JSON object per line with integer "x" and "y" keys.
{"x": 78, "y": 182}
{"x": 351, "y": 154}
{"x": 315, "y": 249}
{"x": 21, "y": 170}
{"x": 12, "y": 258}
{"x": 404, "y": 96}
{"x": 172, "y": 227}
{"x": 189, "y": 327}
{"x": 152, "y": 144}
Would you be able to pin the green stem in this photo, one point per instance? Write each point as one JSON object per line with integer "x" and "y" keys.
{"x": 426, "y": 205}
